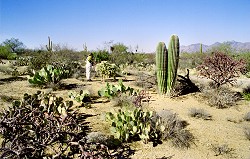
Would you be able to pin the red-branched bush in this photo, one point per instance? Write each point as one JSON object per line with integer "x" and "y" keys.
{"x": 221, "y": 68}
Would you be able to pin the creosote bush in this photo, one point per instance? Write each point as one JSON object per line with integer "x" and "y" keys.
{"x": 199, "y": 113}
{"x": 220, "y": 97}
{"x": 175, "y": 130}
{"x": 221, "y": 68}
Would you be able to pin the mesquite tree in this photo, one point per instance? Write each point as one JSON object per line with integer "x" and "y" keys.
{"x": 221, "y": 68}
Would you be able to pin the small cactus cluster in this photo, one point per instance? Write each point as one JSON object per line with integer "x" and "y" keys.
{"x": 167, "y": 64}
{"x": 130, "y": 124}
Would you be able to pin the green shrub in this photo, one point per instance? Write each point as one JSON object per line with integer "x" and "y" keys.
{"x": 4, "y": 52}
{"x": 48, "y": 75}
{"x": 246, "y": 93}
{"x": 101, "y": 55}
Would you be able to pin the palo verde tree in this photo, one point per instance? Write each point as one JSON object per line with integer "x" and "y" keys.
{"x": 14, "y": 45}
{"x": 120, "y": 54}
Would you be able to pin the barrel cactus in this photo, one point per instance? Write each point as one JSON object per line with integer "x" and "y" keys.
{"x": 167, "y": 64}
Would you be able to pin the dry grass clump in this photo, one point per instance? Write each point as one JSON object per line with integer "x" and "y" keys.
{"x": 122, "y": 100}
{"x": 175, "y": 130}
{"x": 199, "y": 113}
{"x": 220, "y": 97}
{"x": 247, "y": 133}
{"x": 223, "y": 149}
{"x": 247, "y": 116}
{"x": 145, "y": 80}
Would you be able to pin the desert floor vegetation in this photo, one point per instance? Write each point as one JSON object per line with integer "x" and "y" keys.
{"x": 118, "y": 114}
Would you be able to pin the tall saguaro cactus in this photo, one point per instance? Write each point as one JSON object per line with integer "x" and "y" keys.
{"x": 49, "y": 46}
{"x": 173, "y": 60}
{"x": 161, "y": 65}
{"x": 201, "y": 48}
{"x": 167, "y": 64}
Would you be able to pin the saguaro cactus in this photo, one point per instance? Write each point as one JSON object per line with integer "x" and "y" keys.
{"x": 173, "y": 60}
{"x": 49, "y": 47}
{"x": 161, "y": 65}
{"x": 201, "y": 48}
{"x": 167, "y": 64}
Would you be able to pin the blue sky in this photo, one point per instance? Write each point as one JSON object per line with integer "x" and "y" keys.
{"x": 131, "y": 22}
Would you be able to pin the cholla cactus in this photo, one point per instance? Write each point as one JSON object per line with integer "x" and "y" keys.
{"x": 107, "y": 70}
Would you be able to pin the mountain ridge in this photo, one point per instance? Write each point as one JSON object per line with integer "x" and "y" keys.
{"x": 196, "y": 47}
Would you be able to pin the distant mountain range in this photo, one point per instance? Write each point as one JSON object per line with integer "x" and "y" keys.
{"x": 196, "y": 47}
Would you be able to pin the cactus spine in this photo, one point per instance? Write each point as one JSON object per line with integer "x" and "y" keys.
{"x": 49, "y": 46}
{"x": 173, "y": 60}
{"x": 161, "y": 65}
{"x": 167, "y": 64}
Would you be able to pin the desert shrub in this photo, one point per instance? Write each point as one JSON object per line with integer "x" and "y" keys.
{"x": 223, "y": 149}
{"x": 83, "y": 97}
{"x": 247, "y": 133}
{"x": 175, "y": 130}
{"x": 129, "y": 125}
{"x": 220, "y": 97}
{"x": 145, "y": 80}
{"x": 47, "y": 76}
{"x": 247, "y": 116}
{"x": 139, "y": 97}
{"x": 23, "y": 61}
{"x": 191, "y": 60}
{"x": 246, "y": 93}
{"x": 106, "y": 70}
{"x": 199, "y": 113}
{"x": 101, "y": 55}
{"x": 246, "y": 56}
{"x": 5, "y": 53}
{"x": 128, "y": 100}
{"x": 221, "y": 68}
{"x": 122, "y": 100}
{"x": 44, "y": 126}
{"x": 110, "y": 91}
